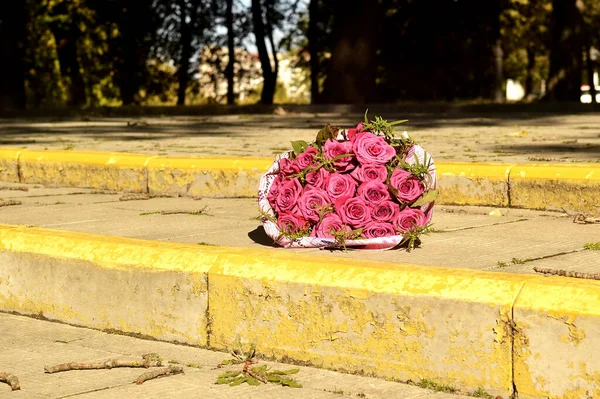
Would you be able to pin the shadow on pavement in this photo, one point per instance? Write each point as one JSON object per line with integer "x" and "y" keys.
{"x": 259, "y": 236}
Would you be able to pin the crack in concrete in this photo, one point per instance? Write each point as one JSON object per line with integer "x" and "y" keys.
{"x": 528, "y": 260}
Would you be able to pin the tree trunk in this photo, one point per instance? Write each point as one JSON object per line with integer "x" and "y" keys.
{"x": 274, "y": 50}
{"x": 530, "y": 72}
{"x": 313, "y": 50}
{"x": 229, "y": 70}
{"x": 352, "y": 68}
{"x": 269, "y": 77}
{"x": 564, "y": 80}
{"x": 69, "y": 66}
{"x": 498, "y": 95}
{"x": 498, "y": 72}
{"x": 185, "y": 43}
{"x": 590, "y": 72}
{"x": 129, "y": 83}
{"x": 12, "y": 45}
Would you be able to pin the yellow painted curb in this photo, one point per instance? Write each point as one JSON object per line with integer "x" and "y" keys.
{"x": 464, "y": 328}
{"x": 9, "y": 165}
{"x": 146, "y": 287}
{"x": 100, "y": 170}
{"x": 464, "y": 183}
{"x": 393, "y": 321}
{"x": 574, "y": 188}
{"x": 208, "y": 177}
{"x": 557, "y": 339}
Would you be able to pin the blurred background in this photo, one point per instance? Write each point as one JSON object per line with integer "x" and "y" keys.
{"x": 92, "y": 53}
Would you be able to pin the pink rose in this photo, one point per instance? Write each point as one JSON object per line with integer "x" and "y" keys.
{"x": 287, "y": 196}
{"x": 331, "y": 222}
{"x": 371, "y": 149}
{"x": 386, "y": 211}
{"x": 311, "y": 203}
{"x": 306, "y": 159}
{"x": 333, "y": 149}
{"x": 338, "y": 185}
{"x": 274, "y": 190}
{"x": 292, "y": 223}
{"x": 318, "y": 178}
{"x": 368, "y": 172}
{"x": 378, "y": 229}
{"x": 409, "y": 187}
{"x": 353, "y": 211}
{"x": 373, "y": 192}
{"x": 409, "y": 218}
{"x": 353, "y": 132}
{"x": 288, "y": 167}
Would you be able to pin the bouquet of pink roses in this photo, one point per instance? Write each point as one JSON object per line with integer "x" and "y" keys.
{"x": 363, "y": 188}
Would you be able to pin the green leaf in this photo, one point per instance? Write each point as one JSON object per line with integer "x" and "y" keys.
{"x": 294, "y": 371}
{"x": 274, "y": 379}
{"x": 285, "y": 372}
{"x": 366, "y": 117}
{"x": 222, "y": 381}
{"x": 290, "y": 383}
{"x": 299, "y": 146}
{"x": 398, "y": 122}
{"x": 427, "y": 197}
{"x": 260, "y": 370}
{"x": 229, "y": 374}
{"x": 394, "y": 192}
{"x": 253, "y": 381}
{"x": 324, "y": 134}
{"x": 238, "y": 381}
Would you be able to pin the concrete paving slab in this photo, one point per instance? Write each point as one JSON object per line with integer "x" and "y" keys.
{"x": 27, "y": 345}
{"x": 484, "y": 137}
{"x": 484, "y": 238}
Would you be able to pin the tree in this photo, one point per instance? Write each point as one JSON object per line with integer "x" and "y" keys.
{"x": 260, "y": 35}
{"x": 566, "y": 49}
{"x": 314, "y": 49}
{"x": 525, "y": 38}
{"x": 498, "y": 53}
{"x": 65, "y": 19}
{"x": 13, "y": 22}
{"x": 591, "y": 19}
{"x": 229, "y": 71}
{"x": 184, "y": 24}
{"x": 129, "y": 44}
{"x": 353, "y": 67}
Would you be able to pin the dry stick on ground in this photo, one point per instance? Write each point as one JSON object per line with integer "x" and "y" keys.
{"x": 10, "y": 380}
{"x": 149, "y": 360}
{"x": 163, "y": 372}
{"x": 252, "y": 374}
{"x": 582, "y": 219}
{"x": 18, "y": 188}
{"x": 134, "y": 197}
{"x": 9, "y": 203}
{"x": 567, "y": 273}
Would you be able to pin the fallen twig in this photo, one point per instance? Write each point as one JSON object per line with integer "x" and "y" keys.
{"x": 12, "y": 188}
{"x": 10, "y": 203}
{"x": 567, "y": 273}
{"x": 166, "y": 371}
{"x": 582, "y": 219}
{"x": 148, "y": 360}
{"x": 11, "y": 380}
{"x": 252, "y": 374}
{"x": 134, "y": 197}
{"x": 107, "y": 192}
{"x": 199, "y": 212}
